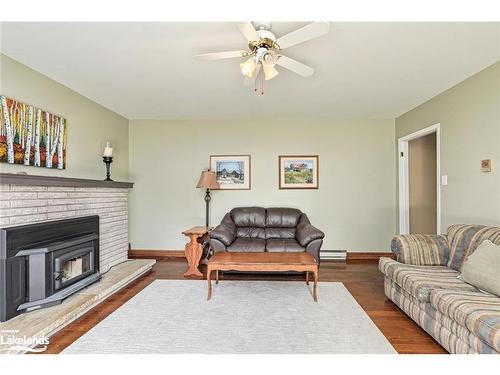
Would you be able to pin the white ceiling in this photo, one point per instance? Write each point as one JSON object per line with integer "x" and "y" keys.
{"x": 146, "y": 70}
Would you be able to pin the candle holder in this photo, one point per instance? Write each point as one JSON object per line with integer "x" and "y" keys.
{"x": 107, "y": 160}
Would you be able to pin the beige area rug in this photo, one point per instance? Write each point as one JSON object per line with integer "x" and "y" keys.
{"x": 173, "y": 316}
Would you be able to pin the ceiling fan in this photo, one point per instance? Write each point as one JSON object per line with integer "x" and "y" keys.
{"x": 264, "y": 50}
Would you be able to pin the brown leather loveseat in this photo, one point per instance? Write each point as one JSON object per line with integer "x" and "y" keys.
{"x": 259, "y": 229}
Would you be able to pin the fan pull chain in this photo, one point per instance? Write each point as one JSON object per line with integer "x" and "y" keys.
{"x": 262, "y": 85}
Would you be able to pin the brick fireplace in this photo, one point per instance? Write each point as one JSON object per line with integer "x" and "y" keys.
{"x": 35, "y": 199}
{"x": 47, "y": 200}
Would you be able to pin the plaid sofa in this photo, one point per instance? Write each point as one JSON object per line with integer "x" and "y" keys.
{"x": 424, "y": 283}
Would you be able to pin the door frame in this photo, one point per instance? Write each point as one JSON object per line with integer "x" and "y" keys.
{"x": 403, "y": 177}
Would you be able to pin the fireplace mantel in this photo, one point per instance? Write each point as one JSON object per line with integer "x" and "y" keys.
{"x": 35, "y": 180}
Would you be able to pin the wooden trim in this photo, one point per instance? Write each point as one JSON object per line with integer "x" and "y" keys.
{"x": 36, "y": 180}
{"x": 353, "y": 256}
{"x": 155, "y": 254}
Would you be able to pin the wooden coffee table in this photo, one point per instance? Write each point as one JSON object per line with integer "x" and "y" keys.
{"x": 262, "y": 261}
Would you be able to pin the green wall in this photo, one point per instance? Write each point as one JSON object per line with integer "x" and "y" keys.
{"x": 89, "y": 124}
{"x": 469, "y": 114}
{"x": 354, "y": 205}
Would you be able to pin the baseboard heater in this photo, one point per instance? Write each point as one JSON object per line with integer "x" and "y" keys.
{"x": 333, "y": 254}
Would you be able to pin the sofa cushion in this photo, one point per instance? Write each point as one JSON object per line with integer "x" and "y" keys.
{"x": 482, "y": 268}
{"x": 282, "y": 217}
{"x": 419, "y": 281}
{"x": 251, "y": 232}
{"x": 421, "y": 249}
{"x": 451, "y": 335}
{"x": 464, "y": 239}
{"x": 284, "y": 245}
{"x": 249, "y": 216}
{"x": 282, "y": 233}
{"x": 248, "y": 244}
{"x": 478, "y": 312}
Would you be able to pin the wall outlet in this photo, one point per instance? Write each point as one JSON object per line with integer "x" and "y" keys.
{"x": 444, "y": 180}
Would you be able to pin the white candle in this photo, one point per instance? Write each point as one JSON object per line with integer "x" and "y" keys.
{"x": 108, "y": 150}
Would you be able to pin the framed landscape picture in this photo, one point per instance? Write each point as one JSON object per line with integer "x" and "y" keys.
{"x": 298, "y": 172}
{"x": 232, "y": 171}
{"x": 31, "y": 136}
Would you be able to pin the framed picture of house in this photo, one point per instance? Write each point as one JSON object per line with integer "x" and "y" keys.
{"x": 298, "y": 171}
{"x": 232, "y": 171}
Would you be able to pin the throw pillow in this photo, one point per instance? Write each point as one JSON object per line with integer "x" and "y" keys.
{"x": 482, "y": 268}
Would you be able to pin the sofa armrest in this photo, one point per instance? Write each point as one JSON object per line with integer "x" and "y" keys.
{"x": 313, "y": 248}
{"x": 306, "y": 233}
{"x": 225, "y": 232}
{"x": 421, "y": 249}
{"x": 216, "y": 246}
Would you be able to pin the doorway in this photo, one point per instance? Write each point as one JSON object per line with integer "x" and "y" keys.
{"x": 419, "y": 185}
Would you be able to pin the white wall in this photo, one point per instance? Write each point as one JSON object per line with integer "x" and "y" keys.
{"x": 354, "y": 206}
{"x": 89, "y": 124}
{"x": 469, "y": 114}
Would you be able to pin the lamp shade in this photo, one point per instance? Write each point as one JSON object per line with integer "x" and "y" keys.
{"x": 208, "y": 180}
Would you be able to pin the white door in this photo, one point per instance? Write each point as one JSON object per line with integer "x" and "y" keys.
{"x": 419, "y": 182}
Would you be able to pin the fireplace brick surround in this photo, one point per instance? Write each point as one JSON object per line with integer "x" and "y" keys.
{"x": 30, "y": 199}
{"x": 27, "y": 204}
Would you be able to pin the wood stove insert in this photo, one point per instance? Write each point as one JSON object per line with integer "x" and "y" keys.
{"x": 42, "y": 264}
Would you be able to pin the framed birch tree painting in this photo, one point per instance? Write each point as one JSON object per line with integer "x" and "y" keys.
{"x": 31, "y": 136}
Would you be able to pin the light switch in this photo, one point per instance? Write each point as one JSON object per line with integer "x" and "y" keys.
{"x": 444, "y": 180}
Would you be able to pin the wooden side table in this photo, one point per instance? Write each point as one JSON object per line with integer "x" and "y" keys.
{"x": 193, "y": 250}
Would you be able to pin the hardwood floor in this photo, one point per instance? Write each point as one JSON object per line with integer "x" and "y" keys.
{"x": 362, "y": 279}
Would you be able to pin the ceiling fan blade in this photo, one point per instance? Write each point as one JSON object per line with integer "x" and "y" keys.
{"x": 248, "y": 30}
{"x": 247, "y": 81}
{"x": 221, "y": 55}
{"x": 295, "y": 66}
{"x": 311, "y": 31}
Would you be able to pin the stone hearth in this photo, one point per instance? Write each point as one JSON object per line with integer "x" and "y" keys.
{"x": 46, "y": 322}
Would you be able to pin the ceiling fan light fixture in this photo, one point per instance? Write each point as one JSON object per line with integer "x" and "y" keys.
{"x": 269, "y": 71}
{"x": 248, "y": 67}
{"x": 265, "y": 50}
